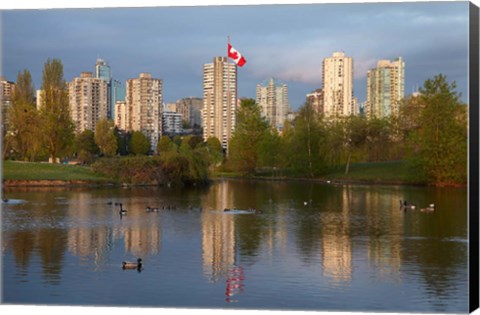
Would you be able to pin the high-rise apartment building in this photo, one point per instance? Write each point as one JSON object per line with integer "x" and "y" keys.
{"x": 144, "y": 101}
{"x": 315, "y": 99}
{"x": 88, "y": 101}
{"x": 219, "y": 99}
{"x": 115, "y": 90}
{"x": 7, "y": 89}
{"x": 338, "y": 86}
{"x": 121, "y": 115}
{"x": 190, "y": 108}
{"x": 272, "y": 97}
{"x": 385, "y": 88}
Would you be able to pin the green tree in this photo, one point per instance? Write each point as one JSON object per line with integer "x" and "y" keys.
{"x": 166, "y": 145}
{"x": 24, "y": 118}
{"x": 139, "y": 144}
{"x": 86, "y": 147}
{"x": 355, "y": 136}
{"x": 249, "y": 131}
{"x": 57, "y": 126}
{"x": 105, "y": 137}
{"x": 440, "y": 141}
{"x": 215, "y": 151}
{"x": 270, "y": 150}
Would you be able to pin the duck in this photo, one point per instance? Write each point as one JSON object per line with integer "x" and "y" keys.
{"x": 132, "y": 265}
{"x": 430, "y": 208}
{"x": 407, "y": 206}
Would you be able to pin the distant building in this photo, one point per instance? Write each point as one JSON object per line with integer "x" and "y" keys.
{"x": 338, "y": 85}
{"x": 7, "y": 89}
{"x": 191, "y": 108}
{"x": 272, "y": 97}
{"x": 219, "y": 99}
{"x": 39, "y": 99}
{"x": 315, "y": 99}
{"x": 171, "y": 107}
{"x": 88, "y": 101}
{"x": 144, "y": 99}
{"x": 385, "y": 88}
{"x": 172, "y": 123}
{"x": 115, "y": 90}
{"x": 121, "y": 115}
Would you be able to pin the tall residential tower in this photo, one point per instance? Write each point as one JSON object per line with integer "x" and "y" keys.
{"x": 272, "y": 97}
{"x": 88, "y": 101}
{"x": 219, "y": 99}
{"x": 385, "y": 88}
{"x": 143, "y": 107}
{"x": 338, "y": 86}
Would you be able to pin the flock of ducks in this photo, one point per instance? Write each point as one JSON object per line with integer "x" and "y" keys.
{"x": 404, "y": 205}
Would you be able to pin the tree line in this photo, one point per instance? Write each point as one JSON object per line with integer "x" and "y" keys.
{"x": 429, "y": 133}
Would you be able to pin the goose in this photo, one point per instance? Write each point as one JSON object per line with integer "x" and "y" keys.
{"x": 406, "y": 206}
{"x": 430, "y": 208}
{"x": 122, "y": 211}
{"x": 132, "y": 265}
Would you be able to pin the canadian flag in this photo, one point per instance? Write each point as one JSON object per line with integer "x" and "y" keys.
{"x": 236, "y": 56}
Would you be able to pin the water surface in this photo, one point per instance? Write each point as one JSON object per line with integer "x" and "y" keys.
{"x": 313, "y": 247}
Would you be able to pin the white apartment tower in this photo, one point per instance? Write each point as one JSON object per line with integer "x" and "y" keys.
{"x": 88, "y": 101}
{"x": 338, "y": 86}
{"x": 272, "y": 97}
{"x": 219, "y": 99}
{"x": 385, "y": 88}
{"x": 144, "y": 100}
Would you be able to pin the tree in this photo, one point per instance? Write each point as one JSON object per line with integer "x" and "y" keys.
{"x": 139, "y": 144}
{"x": 355, "y": 136}
{"x": 105, "y": 137}
{"x": 86, "y": 147}
{"x": 57, "y": 126}
{"x": 24, "y": 118}
{"x": 270, "y": 150}
{"x": 215, "y": 151}
{"x": 439, "y": 144}
{"x": 249, "y": 131}
{"x": 166, "y": 145}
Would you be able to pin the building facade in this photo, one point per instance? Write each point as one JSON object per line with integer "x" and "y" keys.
{"x": 338, "y": 85}
{"x": 172, "y": 123}
{"x": 7, "y": 89}
{"x": 121, "y": 115}
{"x": 115, "y": 90}
{"x": 315, "y": 99}
{"x": 385, "y": 88}
{"x": 190, "y": 108}
{"x": 144, "y": 99}
{"x": 88, "y": 101}
{"x": 272, "y": 97}
{"x": 219, "y": 99}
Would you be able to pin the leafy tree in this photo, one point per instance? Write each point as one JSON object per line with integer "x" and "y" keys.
{"x": 440, "y": 141}
{"x": 249, "y": 131}
{"x": 166, "y": 145}
{"x": 85, "y": 146}
{"x": 303, "y": 142}
{"x": 105, "y": 137}
{"x": 378, "y": 139}
{"x": 355, "y": 136}
{"x": 24, "y": 118}
{"x": 270, "y": 150}
{"x": 139, "y": 144}
{"x": 215, "y": 150}
{"x": 122, "y": 141}
{"x": 57, "y": 126}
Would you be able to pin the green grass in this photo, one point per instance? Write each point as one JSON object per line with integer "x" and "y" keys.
{"x": 392, "y": 171}
{"x": 15, "y": 170}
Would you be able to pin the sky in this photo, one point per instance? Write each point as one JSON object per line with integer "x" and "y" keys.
{"x": 284, "y": 41}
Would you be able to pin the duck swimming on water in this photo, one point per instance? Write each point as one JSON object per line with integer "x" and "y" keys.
{"x": 132, "y": 265}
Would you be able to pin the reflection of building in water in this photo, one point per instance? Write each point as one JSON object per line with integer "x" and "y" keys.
{"x": 336, "y": 242}
{"x": 218, "y": 233}
{"x": 85, "y": 238}
{"x": 92, "y": 238}
{"x": 385, "y": 218}
{"x": 276, "y": 237}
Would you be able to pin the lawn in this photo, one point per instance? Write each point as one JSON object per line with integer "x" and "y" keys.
{"x": 15, "y": 170}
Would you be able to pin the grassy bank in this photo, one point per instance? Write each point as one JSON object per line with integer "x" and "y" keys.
{"x": 15, "y": 170}
{"x": 392, "y": 172}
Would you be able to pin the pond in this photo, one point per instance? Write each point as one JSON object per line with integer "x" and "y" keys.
{"x": 309, "y": 246}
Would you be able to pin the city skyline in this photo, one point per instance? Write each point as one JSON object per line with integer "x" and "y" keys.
{"x": 288, "y": 42}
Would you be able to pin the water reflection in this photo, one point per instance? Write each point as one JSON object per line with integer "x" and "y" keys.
{"x": 335, "y": 235}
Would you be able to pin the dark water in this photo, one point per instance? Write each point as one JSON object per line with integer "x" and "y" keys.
{"x": 313, "y": 247}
